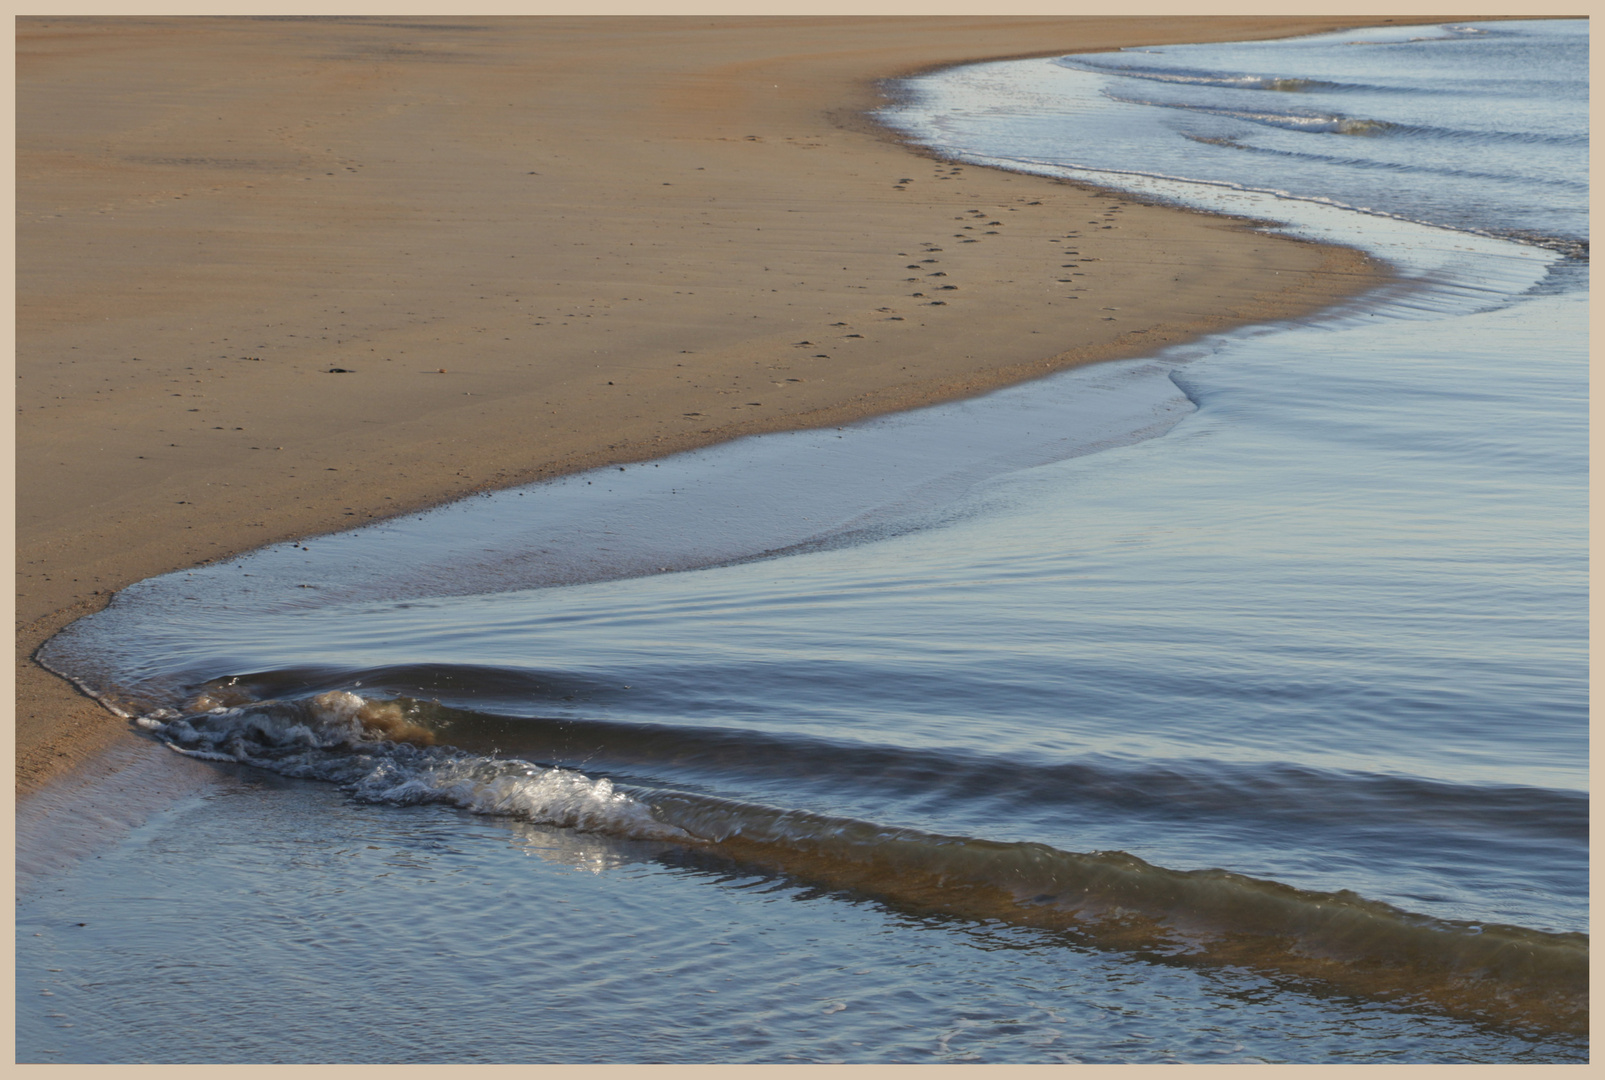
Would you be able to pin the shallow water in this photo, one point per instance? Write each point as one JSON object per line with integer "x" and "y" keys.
{"x": 1225, "y": 705}
{"x": 415, "y": 934}
{"x": 1478, "y": 127}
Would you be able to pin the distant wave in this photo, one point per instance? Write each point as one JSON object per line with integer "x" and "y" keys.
{"x": 1197, "y": 77}
{"x": 1318, "y": 123}
{"x": 1391, "y": 166}
{"x": 1446, "y": 33}
{"x": 1331, "y": 123}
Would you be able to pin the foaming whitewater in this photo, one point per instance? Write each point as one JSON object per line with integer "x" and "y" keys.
{"x": 372, "y": 750}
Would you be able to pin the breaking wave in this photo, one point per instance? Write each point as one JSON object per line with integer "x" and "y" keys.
{"x": 380, "y": 753}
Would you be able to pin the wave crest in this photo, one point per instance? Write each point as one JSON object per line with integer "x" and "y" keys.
{"x": 1106, "y": 899}
{"x": 381, "y": 754}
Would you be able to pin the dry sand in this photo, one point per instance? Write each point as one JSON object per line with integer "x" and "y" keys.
{"x": 535, "y": 246}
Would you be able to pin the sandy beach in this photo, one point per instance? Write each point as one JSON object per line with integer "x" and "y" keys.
{"x": 280, "y": 277}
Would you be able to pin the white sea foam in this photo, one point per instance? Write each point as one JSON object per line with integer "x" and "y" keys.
{"x": 342, "y": 737}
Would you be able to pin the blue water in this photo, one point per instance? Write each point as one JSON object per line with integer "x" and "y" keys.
{"x": 1479, "y": 127}
{"x": 1224, "y": 705}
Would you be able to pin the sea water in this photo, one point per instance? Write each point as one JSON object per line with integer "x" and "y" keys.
{"x": 1228, "y": 704}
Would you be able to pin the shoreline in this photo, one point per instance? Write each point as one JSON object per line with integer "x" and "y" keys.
{"x": 129, "y": 527}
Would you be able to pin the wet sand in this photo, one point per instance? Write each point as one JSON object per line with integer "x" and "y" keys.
{"x": 283, "y": 277}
